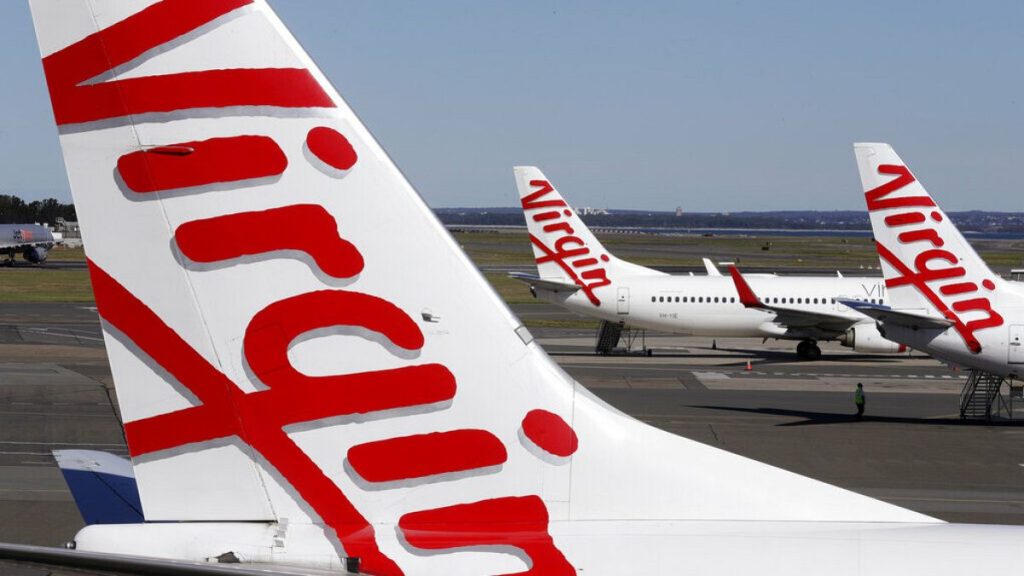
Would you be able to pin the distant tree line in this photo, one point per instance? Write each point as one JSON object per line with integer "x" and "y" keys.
{"x": 973, "y": 221}
{"x": 14, "y": 210}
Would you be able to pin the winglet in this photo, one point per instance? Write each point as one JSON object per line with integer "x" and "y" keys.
{"x": 710, "y": 267}
{"x": 747, "y": 296}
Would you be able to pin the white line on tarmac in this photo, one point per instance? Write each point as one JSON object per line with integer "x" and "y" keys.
{"x": 48, "y": 333}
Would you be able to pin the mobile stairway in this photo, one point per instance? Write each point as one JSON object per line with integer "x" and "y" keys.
{"x": 609, "y": 334}
{"x": 982, "y": 398}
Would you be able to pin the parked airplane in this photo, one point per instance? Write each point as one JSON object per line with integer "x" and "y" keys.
{"x": 32, "y": 241}
{"x": 350, "y": 387}
{"x": 944, "y": 299}
{"x": 575, "y": 271}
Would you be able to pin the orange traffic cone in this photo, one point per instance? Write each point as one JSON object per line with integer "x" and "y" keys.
{"x": 749, "y": 367}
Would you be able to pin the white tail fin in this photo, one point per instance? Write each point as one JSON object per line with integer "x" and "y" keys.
{"x": 926, "y": 262}
{"x": 295, "y": 338}
{"x": 565, "y": 249}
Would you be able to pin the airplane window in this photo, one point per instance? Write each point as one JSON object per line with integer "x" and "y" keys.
{"x": 661, "y": 298}
{"x": 677, "y": 298}
{"x": 815, "y": 300}
{"x": 701, "y": 299}
{"x": 799, "y": 300}
{"x": 716, "y": 299}
{"x": 881, "y": 300}
{"x": 653, "y": 299}
{"x": 684, "y": 299}
{"x": 732, "y": 299}
{"x": 833, "y": 300}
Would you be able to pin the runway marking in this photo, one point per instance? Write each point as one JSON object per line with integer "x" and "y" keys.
{"x": 115, "y": 444}
{"x": 16, "y": 413}
{"x": 710, "y": 375}
{"x": 930, "y": 499}
{"x": 33, "y": 490}
{"x": 48, "y": 333}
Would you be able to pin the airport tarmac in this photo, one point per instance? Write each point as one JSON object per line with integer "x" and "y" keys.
{"x": 911, "y": 449}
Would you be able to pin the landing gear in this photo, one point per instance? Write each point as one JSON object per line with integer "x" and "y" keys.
{"x": 808, "y": 350}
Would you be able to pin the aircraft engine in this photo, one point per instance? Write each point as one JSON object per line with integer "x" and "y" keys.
{"x": 35, "y": 254}
{"x": 866, "y": 338}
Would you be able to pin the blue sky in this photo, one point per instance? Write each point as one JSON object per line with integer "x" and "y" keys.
{"x": 712, "y": 105}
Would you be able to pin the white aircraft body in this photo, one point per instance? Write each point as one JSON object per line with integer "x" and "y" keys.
{"x": 944, "y": 299}
{"x": 575, "y": 271}
{"x": 311, "y": 371}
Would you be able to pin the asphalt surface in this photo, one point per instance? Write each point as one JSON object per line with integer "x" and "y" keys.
{"x": 911, "y": 449}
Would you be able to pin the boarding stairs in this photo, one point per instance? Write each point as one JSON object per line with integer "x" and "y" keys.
{"x": 981, "y": 397}
{"x": 610, "y": 334}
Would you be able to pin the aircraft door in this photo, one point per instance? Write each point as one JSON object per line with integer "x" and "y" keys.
{"x": 1016, "y": 345}
{"x": 623, "y": 301}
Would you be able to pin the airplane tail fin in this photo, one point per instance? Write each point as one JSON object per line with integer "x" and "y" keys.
{"x": 564, "y": 247}
{"x": 299, "y": 347}
{"x": 927, "y": 263}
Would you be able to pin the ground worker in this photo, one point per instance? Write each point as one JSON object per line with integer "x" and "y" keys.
{"x": 858, "y": 398}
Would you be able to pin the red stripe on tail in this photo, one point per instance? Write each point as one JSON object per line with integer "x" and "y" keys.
{"x": 213, "y": 161}
{"x": 101, "y": 52}
{"x": 519, "y": 522}
{"x": 307, "y": 228}
{"x": 876, "y": 197}
{"x": 426, "y": 455}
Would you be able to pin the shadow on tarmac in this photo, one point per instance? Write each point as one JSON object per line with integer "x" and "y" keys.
{"x": 759, "y": 356}
{"x": 790, "y": 357}
{"x": 807, "y": 418}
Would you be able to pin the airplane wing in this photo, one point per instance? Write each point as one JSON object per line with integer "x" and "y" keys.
{"x": 537, "y": 281}
{"x": 884, "y": 313}
{"x": 789, "y": 317}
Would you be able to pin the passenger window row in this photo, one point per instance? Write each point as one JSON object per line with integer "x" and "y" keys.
{"x": 695, "y": 299}
{"x": 772, "y": 300}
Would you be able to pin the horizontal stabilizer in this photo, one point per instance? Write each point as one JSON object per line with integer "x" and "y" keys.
{"x": 538, "y": 282}
{"x": 102, "y": 484}
{"x": 885, "y": 314}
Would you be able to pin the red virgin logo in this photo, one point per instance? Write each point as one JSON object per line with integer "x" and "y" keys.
{"x": 259, "y": 418}
{"x": 935, "y": 271}
{"x": 568, "y": 251}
